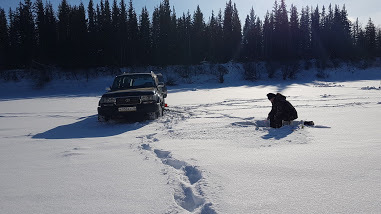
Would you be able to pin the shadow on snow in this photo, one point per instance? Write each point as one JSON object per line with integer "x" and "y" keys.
{"x": 89, "y": 127}
{"x": 279, "y": 133}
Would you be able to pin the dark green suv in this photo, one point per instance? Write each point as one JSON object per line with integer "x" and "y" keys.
{"x": 133, "y": 95}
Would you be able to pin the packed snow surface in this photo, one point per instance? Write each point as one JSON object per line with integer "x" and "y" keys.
{"x": 211, "y": 152}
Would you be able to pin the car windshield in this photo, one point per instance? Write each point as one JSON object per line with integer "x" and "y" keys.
{"x": 133, "y": 81}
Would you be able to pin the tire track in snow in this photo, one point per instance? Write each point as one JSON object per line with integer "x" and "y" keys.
{"x": 186, "y": 179}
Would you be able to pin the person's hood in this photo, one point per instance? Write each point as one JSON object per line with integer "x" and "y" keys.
{"x": 279, "y": 97}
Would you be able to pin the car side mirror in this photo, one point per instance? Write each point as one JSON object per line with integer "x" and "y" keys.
{"x": 161, "y": 84}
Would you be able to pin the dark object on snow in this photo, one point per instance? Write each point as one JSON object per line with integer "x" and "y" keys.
{"x": 281, "y": 110}
{"x": 309, "y": 123}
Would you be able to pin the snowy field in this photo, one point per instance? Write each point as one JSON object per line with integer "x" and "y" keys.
{"x": 210, "y": 153}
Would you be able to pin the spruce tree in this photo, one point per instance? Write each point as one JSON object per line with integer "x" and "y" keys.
{"x": 231, "y": 32}
{"x": 63, "y": 33}
{"x": 51, "y": 34}
{"x": 78, "y": 35}
{"x": 4, "y": 40}
{"x": 282, "y": 32}
{"x": 370, "y": 38}
{"x": 378, "y": 41}
{"x": 156, "y": 35}
{"x": 268, "y": 32}
{"x": 27, "y": 33}
{"x": 305, "y": 34}
{"x": 91, "y": 17}
{"x": 295, "y": 33}
{"x": 14, "y": 38}
{"x": 92, "y": 34}
{"x": 316, "y": 34}
{"x": 40, "y": 29}
{"x": 198, "y": 35}
{"x": 211, "y": 35}
{"x": 219, "y": 37}
{"x": 227, "y": 32}
{"x": 249, "y": 48}
{"x": 115, "y": 28}
{"x": 163, "y": 52}
{"x": 236, "y": 33}
{"x": 122, "y": 36}
{"x": 132, "y": 38}
{"x": 145, "y": 49}
{"x": 173, "y": 51}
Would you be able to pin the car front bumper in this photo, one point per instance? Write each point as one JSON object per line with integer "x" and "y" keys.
{"x": 113, "y": 111}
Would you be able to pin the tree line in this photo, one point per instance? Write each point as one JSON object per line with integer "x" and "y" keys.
{"x": 113, "y": 34}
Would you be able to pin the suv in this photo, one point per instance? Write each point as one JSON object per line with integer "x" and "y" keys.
{"x": 133, "y": 94}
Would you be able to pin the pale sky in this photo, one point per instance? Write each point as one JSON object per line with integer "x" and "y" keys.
{"x": 363, "y": 9}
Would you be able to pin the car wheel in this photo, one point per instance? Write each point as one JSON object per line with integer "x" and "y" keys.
{"x": 152, "y": 115}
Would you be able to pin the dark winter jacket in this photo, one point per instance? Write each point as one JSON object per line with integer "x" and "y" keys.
{"x": 281, "y": 110}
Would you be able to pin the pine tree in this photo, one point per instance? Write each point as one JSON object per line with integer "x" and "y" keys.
{"x": 27, "y": 32}
{"x": 305, "y": 33}
{"x": 268, "y": 32}
{"x": 251, "y": 30}
{"x": 282, "y": 32}
{"x": 91, "y": 17}
{"x": 378, "y": 40}
{"x": 132, "y": 38}
{"x": 231, "y": 32}
{"x": 227, "y": 32}
{"x": 115, "y": 29}
{"x": 155, "y": 35}
{"x": 106, "y": 39}
{"x": 4, "y": 39}
{"x": 14, "y": 38}
{"x": 173, "y": 54}
{"x": 115, "y": 16}
{"x": 40, "y": 28}
{"x": 51, "y": 34}
{"x": 197, "y": 37}
{"x": 295, "y": 33}
{"x": 258, "y": 43}
{"x": 63, "y": 33}
{"x": 347, "y": 47}
{"x": 210, "y": 31}
{"x": 316, "y": 34}
{"x": 123, "y": 35}
{"x": 145, "y": 50}
{"x": 92, "y": 35}
{"x": 361, "y": 45}
{"x": 214, "y": 35}
{"x": 219, "y": 37}
{"x": 370, "y": 37}
{"x": 78, "y": 35}
{"x": 236, "y": 32}
{"x": 163, "y": 52}
{"x": 184, "y": 25}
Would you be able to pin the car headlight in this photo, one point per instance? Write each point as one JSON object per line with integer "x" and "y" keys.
{"x": 107, "y": 100}
{"x": 147, "y": 98}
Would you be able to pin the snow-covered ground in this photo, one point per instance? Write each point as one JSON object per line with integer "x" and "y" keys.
{"x": 210, "y": 153}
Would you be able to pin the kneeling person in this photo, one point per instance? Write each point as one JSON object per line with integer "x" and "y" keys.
{"x": 282, "y": 112}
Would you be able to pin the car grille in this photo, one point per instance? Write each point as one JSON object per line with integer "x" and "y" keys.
{"x": 128, "y": 101}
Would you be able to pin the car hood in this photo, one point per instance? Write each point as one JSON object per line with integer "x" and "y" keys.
{"x": 130, "y": 92}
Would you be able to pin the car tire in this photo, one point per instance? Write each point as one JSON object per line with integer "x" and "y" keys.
{"x": 152, "y": 115}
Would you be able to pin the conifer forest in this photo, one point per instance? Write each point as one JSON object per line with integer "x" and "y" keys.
{"x": 114, "y": 33}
